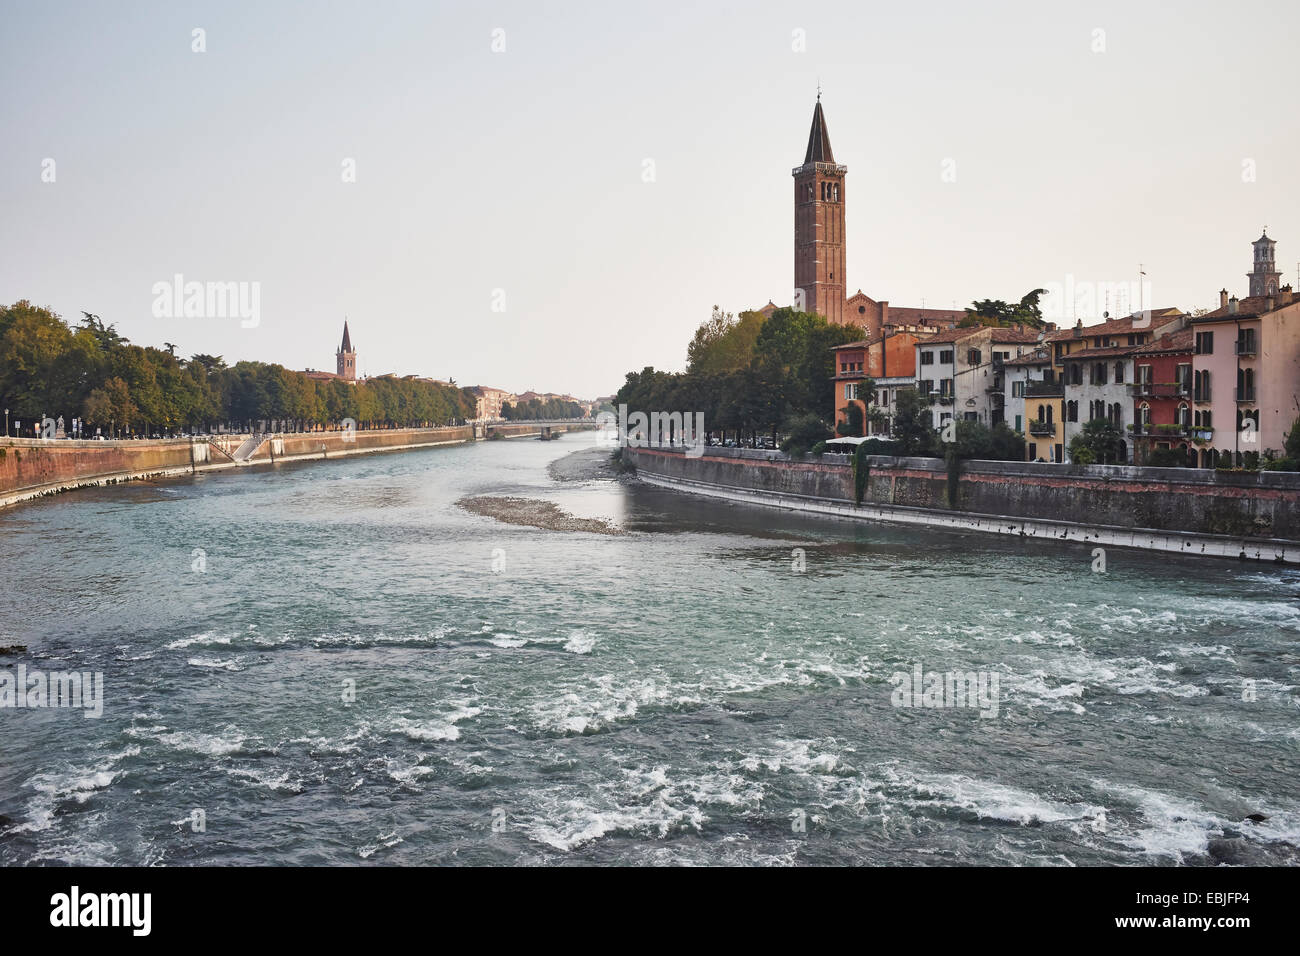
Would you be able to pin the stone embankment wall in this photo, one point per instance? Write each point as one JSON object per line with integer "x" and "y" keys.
{"x": 30, "y": 468}
{"x": 1176, "y": 509}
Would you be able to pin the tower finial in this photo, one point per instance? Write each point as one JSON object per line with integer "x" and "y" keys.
{"x": 819, "y": 99}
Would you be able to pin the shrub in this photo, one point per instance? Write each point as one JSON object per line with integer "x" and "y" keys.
{"x": 1282, "y": 464}
{"x": 861, "y": 472}
{"x": 819, "y": 449}
{"x": 1167, "y": 458}
{"x": 802, "y": 432}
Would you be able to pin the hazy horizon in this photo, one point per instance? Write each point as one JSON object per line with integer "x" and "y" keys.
{"x": 520, "y": 176}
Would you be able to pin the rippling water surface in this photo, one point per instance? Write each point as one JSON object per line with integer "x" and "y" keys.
{"x": 676, "y": 695}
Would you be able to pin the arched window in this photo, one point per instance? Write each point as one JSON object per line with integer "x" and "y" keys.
{"x": 1183, "y": 415}
{"x": 1144, "y": 414}
{"x": 1119, "y": 373}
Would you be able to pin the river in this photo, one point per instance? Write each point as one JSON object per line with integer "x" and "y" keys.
{"x": 334, "y": 663}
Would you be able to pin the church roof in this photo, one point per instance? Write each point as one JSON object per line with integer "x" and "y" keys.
{"x": 347, "y": 339}
{"x": 819, "y": 139}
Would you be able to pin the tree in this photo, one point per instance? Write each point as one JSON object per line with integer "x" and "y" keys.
{"x": 852, "y": 425}
{"x": 996, "y": 312}
{"x": 912, "y": 428}
{"x": 723, "y": 343}
{"x": 110, "y": 405}
{"x": 803, "y": 432}
{"x": 1098, "y": 443}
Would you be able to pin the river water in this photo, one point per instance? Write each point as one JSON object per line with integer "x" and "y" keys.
{"x": 333, "y": 663}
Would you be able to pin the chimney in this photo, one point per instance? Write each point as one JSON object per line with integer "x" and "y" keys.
{"x": 1232, "y": 306}
{"x": 1223, "y": 298}
{"x": 1285, "y": 296}
{"x": 1272, "y": 303}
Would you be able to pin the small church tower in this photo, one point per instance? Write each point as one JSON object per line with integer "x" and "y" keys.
{"x": 819, "y": 224}
{"x": 1264, "y": 277}
{"x": 347, "y": 356}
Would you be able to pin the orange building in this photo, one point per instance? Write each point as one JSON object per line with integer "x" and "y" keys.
{"x": 889, "y": 361}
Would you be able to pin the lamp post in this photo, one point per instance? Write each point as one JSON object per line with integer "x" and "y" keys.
{"x": 6, "y": 423}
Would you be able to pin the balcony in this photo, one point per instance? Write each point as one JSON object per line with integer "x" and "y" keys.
{"x": 940, "y": 398}
{"x": 1244, "y": 395}
{"x": 1042, "y": 429}
{"x": 1148, "y": 430}
{"x": 996, "y": 386}
{"x": 1159, "y": 389}
{"x": 1044, "y": 390}
{"x": 1245, "y": 347}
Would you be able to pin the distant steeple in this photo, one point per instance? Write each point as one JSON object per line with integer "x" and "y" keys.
{"x": 346, "y": 356}
{"x": 1264, "y": 276}
{"x": 819, "y": 137}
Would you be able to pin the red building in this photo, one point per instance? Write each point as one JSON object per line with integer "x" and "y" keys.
{"x": 1162, "y": 397}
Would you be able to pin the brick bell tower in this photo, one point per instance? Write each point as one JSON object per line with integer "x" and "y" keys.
{"x": 819, "y": 224}
{"x": 346, "y": 356}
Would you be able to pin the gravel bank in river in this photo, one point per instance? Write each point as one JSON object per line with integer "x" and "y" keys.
{"x": 535, "y": 513}
{"x": 586, "y": 464}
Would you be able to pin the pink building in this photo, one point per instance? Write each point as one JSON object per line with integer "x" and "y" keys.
{"x": 1246, "y": 375}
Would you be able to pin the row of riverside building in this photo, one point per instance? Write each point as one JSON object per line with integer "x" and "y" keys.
{"x": 1215, "y": 386}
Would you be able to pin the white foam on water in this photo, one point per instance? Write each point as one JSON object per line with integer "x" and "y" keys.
{"x": 75, "y": 783}
{"x": 386, "y": 841}
{"x": 440, "y": 728}
{"x": 509, "y": 641}
{"x": 204, "y": 640}
{"x": 580, "y": 642}
{"x": 283, "y": 782}
{"x": 1174, "y": 827}
{"x": 605, "y": 700}
{"x": 231, "y": 665}
{"x": 989, "y": 800}
{"x": 210, "y": 745}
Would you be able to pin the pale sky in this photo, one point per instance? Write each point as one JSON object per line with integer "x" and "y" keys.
{"x": 1076, "y": 153}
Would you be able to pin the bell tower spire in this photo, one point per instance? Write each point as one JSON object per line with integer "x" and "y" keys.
{"x": 819, "y": 224}
{"x": 1264, "y": 276}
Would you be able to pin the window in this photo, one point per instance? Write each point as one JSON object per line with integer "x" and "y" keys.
{"x": 927, "y": 358}
{"x": 926, "y": 385}
{"x": 1018, "y": 424}
{"x": 1017, "y": 389}
{"x": 945, "y": 357}
{"x": 1098, "y": 376}
{"x": 1184, "y": 374}
{"x": 945, "y": 387}
{"x": 1071, "y": 411}
{"x": 1076, "y": 373}
{"x": 1144, "y": 374}
{"x": 973, "y": 356}
{"x": 1144, "y": 414}
{"x": 850, "y": 391}
{"x": 1200, "y": 386}
{"x": 1119, "y": 373}
{"x": 1184, "y": 415}
{"x": 884, "y": 397}
{"x": 1245, "y": 384}
{"x": 1204, "y": 343}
